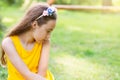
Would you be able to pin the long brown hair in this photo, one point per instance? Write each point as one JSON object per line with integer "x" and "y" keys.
{"x": 25, "y": 24}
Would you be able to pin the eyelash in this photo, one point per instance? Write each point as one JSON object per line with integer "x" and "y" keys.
{"x": 48, "y": 31}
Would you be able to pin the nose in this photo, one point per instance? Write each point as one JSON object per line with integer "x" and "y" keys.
{"x": 48, "y": 36}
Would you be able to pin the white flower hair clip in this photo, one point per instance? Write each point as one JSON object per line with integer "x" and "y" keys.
{"x": 50, "y": 10}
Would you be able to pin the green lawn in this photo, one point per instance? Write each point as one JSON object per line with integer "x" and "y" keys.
{"x": 85, "y": 46}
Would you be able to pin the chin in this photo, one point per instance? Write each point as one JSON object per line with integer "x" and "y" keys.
{"x": 39, "y": 41}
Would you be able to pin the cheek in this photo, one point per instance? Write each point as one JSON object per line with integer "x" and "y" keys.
{"x": 40, "y": 35}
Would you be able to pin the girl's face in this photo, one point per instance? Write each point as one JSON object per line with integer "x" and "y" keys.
{"x": 43, "y": 32}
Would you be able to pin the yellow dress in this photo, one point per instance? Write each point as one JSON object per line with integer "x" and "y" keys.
{"x": 30, "y": 58}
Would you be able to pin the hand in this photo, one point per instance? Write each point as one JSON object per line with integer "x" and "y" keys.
{"x": 34, "y": 76}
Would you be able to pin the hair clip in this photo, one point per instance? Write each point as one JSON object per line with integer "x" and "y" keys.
{"x": 50, "y": 10}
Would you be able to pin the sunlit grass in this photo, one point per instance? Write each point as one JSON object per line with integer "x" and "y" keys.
{"x": 7, "y": 20}
{"x": 85, "y": 46}
{"x": 10, "y": 16}
{"x": 89, "y": 43}
{"x": 80, "y": 69}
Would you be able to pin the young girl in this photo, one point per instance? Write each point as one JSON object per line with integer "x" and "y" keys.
{"x": 26, "y": 47}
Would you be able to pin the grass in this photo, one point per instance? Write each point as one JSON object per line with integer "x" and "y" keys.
{"x": 3, "y": 73}
{"x": 85, "y": 46}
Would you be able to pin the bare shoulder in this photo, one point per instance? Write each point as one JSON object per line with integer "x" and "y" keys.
{"x": 6, "y": 42}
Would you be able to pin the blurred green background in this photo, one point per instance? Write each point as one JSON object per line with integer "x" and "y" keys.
{"x": 85, "y": 45}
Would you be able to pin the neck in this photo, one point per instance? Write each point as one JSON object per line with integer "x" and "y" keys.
{"x": 27, "y": 37}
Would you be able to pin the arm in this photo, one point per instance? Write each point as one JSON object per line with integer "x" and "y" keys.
{"x": 10, "y": 51}
{"x": 43, "y": 63}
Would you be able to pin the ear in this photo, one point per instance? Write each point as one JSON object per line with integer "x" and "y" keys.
{"x": 34, "y": 24}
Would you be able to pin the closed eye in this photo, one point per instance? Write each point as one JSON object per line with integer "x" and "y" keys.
{"x": 49, "y": 31}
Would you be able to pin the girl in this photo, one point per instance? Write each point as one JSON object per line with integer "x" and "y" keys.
{"x": 26, "y": 47}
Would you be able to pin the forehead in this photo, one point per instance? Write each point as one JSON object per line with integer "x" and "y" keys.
{"x": 50, "y": 24}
